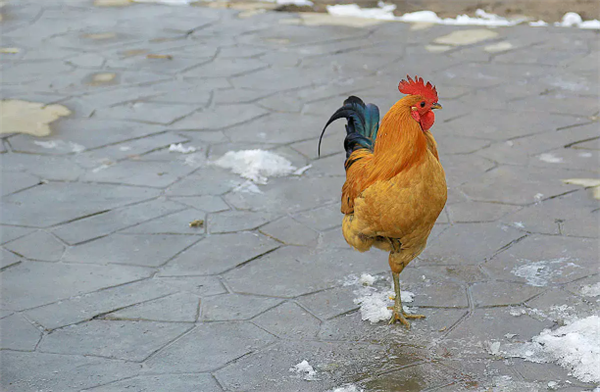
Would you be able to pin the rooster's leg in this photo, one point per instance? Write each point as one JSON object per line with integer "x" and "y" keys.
{"x": 398, "y": 313}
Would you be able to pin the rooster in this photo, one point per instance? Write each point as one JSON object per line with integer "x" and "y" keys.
{"x": 395, "y": 185}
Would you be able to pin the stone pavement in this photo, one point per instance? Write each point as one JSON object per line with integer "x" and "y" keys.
{"x": 106, "y": 287}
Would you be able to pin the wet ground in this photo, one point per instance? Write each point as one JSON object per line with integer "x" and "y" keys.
{"x": 106, "y": 287}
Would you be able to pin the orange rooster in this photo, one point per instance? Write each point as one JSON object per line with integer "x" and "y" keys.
{"x": 395, "y": 185}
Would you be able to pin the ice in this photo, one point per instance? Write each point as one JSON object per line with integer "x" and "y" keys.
{"x": 247, "y": 187}
{"x": 295, "y": 2}
{"x": 305, "y": 370}
{"x": 181, "y": 148}
{"x": 256, "y": 165}
{"x": 591, "y": 290}
{"x": 573, "y": 346}
{"x": 347, "y": 388}
{"x": 550, "y": 158}
{"x": 539, "y": 273}
{"x": 494, "y": 348}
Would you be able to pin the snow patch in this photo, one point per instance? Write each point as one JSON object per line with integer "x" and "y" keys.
{"x": 538, "y": 273}
{"x": 181, "y": 148}
{"x": 295, "y": 2}
{"x": 304, "y": 369}
{"x": 550, "y": 158}
{"x": 167, "y": 2}
{"x": 573, "y": 346}
{"x": 256, "y": 165}
{"x": 366, "y": 279}
{"x": 539, "y": 23}
{"x": 374, "y": 302}
{"x": 301, "y": 171}
{"x": 386, "y": 12}
{"x": 573, "y": 19}
{"x": 591, "y": 290}
{"x": 59, "y": 144}
{"x": 347, "y": 388}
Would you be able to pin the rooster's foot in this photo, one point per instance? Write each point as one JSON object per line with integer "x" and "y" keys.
{"x": 398, "y": 314}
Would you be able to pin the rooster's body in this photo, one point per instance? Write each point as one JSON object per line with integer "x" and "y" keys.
{"x": 395, "y": 185}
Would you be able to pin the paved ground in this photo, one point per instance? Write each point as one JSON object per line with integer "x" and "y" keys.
{"x": 105, "y": 287}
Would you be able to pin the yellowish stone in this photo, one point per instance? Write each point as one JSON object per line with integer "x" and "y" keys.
{"x": 100, "y": 36}
{"x": 437, "y": 48}
{"x": 466, "y": 37}
{"x": 32, "y": 118}
{"x": 498, "y": 47}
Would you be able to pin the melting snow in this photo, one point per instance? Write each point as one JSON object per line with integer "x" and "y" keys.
{"x": 591, "y": 290}
{"x": 305, "y": 370}
{"x": 374, "y": 302}
{"x": 386, "y": 12}
{"x": 295, "y": 2}
{"x": 181, "y": 148}
{"x": 347, "y": 388}
{"x": 538, "y": 273}
{"x": 573, "y": 346}
{"x": 366, "y": 279}
{"x": 550, "y": 158}
{"x": 256, "y": 165}
{"x": 74, "y": 147}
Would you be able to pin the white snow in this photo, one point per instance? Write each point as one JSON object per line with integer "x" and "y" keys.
{"x": 305, "y": 370}
{"x": 494, "y": 348}
{"x": 168, "y": 2}
{"x": 374, "y": 303}
{"x": 573, "y": 346}
{"x": 73, "y": 147}
{"x": 538, "y": 273}
{"x": 366, "y": 279}
{"x": 386, "y": 12}
{"x": 550, "y": 158}
{"x": 481, "y": 18}
{"x": 591, "y": 290}
{"x": 181, "y": 148}
{"x": 301, "y": 171}
{"x": 295, "y": 2}
{"x": 256, "y": 165}
{"x": 347, "y": 388}
{"x": 538, "y": 197}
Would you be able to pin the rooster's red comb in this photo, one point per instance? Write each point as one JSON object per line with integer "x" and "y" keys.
{"x": 418, "y": 87}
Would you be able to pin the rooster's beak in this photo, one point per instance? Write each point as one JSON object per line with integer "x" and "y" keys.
{"x": 436, "y": 106}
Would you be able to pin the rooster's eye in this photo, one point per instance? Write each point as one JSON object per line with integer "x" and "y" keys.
{"x": 423, "y": 104}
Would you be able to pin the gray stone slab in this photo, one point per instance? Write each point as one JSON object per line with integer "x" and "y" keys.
{"x": 235, "y": 307}
{"x": 290, "y": 232}
{"x": 287, "y": 196}
{"x": 16, "y": 333}
{"x": 274, "y": 128}
{"x": 232, "y": 221}
{"x": 416, "y": 378}
{"x": 149, "y": 174}
{"x": 128, "y": 340}
{"x": 335, "y": 363}
{"x": 502, "y": 293}
{"x": 54, "y": 203}
{"x": 561, "y": 306}
{"x": 574, "y": 214}
{"x": 134, "y": 249}
{"x": 180, "y": 307}
{"x": 163, "y": 382}
{"x": 218, "y": 253}
{"x": 206, "y": 181}
{"x": 102, "y": 224}
{"x": 469, "y": 243}
{"x": 220, "y": 117}
{"x": 8, "y": 258}
{"x": 203, "y": 203}
{"x": 13, "y": 182}
{"x": 321, "y": 218}
{"x": 10, "y": 233}
{"x": 149, "y": 112}
{"x": 202, "y": 286}
{"x": 29, "y": 372}
{"x": 282, "y": 273}
{"x": 39, "y": 245}
{"x": 327, "y": 304}
{"x": 87, "y": 306}
{"x": 208, "y": 347}
{"x": 43, "y": 166}
{"x": 283, "y": 320}
{"x": 545, "y": 260}
{"x": 54, "y": 282}
{"x": 177, "y": 223}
